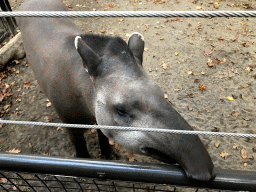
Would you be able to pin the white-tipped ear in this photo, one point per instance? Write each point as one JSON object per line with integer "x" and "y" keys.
{"x": 76, "y": 41}
{"x": 142, "y": 38}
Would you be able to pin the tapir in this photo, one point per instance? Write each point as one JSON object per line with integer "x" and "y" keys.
{"x": 99, "y": 79}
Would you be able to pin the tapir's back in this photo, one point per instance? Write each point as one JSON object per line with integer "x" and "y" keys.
{"x": 49, "y": 45}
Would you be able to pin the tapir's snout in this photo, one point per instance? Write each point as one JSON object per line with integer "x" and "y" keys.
{"x": 196, "y": 166}
{"x": 186, "y": 150}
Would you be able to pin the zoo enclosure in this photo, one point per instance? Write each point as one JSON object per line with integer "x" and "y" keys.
{"x": 108, "y": 170}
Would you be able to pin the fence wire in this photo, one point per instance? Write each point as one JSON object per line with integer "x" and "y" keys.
{"x": 143, "y": 129}
{"x": 129, "y": 14}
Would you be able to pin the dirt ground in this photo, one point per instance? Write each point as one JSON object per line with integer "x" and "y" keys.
{"x": 210, "y": 80}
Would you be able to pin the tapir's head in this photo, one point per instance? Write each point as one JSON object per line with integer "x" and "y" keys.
{"x": 126, "y": 96}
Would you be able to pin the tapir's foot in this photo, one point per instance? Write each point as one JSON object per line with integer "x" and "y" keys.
{"x": 82, "y": 155}
{"x": 111, "y": 156}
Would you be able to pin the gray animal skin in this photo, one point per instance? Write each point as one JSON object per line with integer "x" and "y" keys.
{"x": 90, "y": 78}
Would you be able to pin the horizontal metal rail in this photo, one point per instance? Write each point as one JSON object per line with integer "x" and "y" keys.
{"x": 129, "y": 14}
{"x": 124, "y": 171}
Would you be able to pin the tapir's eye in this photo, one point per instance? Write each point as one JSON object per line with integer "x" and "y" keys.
{"x": 121, "y": 112}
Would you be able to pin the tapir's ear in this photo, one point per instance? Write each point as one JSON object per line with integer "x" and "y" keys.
{"x": 136, "y": 45}
{"x": 91, "y": 59}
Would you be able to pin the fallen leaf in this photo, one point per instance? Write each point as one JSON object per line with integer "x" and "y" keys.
{"x": 215, "y": 6}
{"x": 229, "y": 74}
{"x": 199, "y": 26}
{"x": 230, "y": 98}
{"x": 203, "y": 73}
{"x": 68, "y": 5}
{"x": 243, "y": 153}
{"x": 188, "y": 72}
{"x": 28, "y": 85}
{"x": 190, "y": 108}
{"x": 224, "y": 61}
{"x": 176, "y": 19}
{"x": 196, "y": 81}
{"x": 164, "y": 65}
{"x": 202, "y": 87}
{"x": 235, "y": 114}
{"x": 14, "y": 151}
{"x": 245, "y": 44}
{"x": 3, "y": 180}
{"x": 7, "y": 106}
{"x": 235, "y": 38}
{"x": 93, "y": 130}
{"x": 210, "y": 64}
{"x": 245, "y": 156}
{"x": 145, "y": 49}
{"x": 207, "y": 53}
{"x": 161, "y": 38}
{"x": 102, "y": 31}
{"x": 49, "y": 104}
{"x": 224, "y": 155}
{"x": 130, "y": 157}
{"x": 246, "y": 118}
{"x": 194, "y": 73}
{"x": 249, "y": 68}
{"x": 165, "y": 96}
{"x": 15, "y": 61}
{"x": 216, "y": 129}
{"x": 89, "y": 189}
{"x": 48, "y": 118}
{"x": 244, "y": 98}
{"x": 235, "y": 146}
{"x": 217, "y": 144}
{"x": 222, "y": 39}
{"x": 111, "y": 142}
{"x": 207, "y": 110}
{"x": 176, "y": 53}
{"x": 215, "y": 60}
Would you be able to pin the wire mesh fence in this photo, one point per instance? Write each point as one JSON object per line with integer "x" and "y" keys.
{"x": 13, "y": 181}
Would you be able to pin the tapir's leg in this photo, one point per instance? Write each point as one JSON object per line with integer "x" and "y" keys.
{"x": 104, "y": 144}
{"x": 77, "y": 138}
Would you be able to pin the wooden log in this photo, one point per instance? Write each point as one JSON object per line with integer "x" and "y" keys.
{"x": 14, "y": 48}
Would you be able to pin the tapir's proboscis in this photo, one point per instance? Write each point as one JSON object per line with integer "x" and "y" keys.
{"x": 97, "y": 79}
